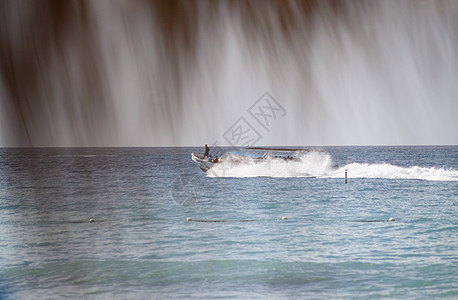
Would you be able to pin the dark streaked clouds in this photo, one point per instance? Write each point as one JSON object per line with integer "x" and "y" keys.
{"x": 143, "y": 73}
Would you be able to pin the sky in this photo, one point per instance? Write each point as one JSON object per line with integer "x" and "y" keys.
{"x": 182, "y": 73}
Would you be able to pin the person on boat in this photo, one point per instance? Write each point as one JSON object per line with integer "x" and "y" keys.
{"x": 210, "y": 158}
{"x": 216, "y": 159}
{"x": 206, "y": 151}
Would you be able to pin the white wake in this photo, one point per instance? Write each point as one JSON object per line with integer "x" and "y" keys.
{"x": 320, "y": 165}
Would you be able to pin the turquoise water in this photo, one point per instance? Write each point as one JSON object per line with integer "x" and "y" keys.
{"x": 334, "y": 243}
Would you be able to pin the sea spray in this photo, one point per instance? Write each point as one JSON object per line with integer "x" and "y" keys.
{"x": 388, "y": 171}
{"x": 320, "y": 164}
{"x": 310, "y": 164}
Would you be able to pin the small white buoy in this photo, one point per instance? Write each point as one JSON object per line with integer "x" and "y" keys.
{"x": 188, "y": 219}
{"x": 91, "y": 220}
{"x": 284, "y": 218}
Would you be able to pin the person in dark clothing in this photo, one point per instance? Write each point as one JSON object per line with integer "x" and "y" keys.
{"x": 206, "y": 151}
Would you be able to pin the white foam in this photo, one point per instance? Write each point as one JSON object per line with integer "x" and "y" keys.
{"x": 357, "y": 170}
{"x": 320, "y": 165}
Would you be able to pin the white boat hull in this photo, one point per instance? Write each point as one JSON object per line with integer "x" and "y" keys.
{"x": 202, "y": 162}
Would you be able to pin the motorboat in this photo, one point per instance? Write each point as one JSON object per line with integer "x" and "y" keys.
{"x": 204, "y": 163}
{"x": 249, "y": 155}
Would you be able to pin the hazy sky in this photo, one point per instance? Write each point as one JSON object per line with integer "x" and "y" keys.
{"x": 160, "y": 73}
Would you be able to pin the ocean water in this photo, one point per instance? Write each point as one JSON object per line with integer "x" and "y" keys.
{"x": 335, "y": 242}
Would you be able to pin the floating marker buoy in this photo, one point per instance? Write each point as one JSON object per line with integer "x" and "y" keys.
{"x": 188, "y": 219}
{"x": 91, "y": 220}
{"x": 284, "y": 218}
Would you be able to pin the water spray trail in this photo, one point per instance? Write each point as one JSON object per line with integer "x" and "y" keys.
{"x": 320, "y": 165}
